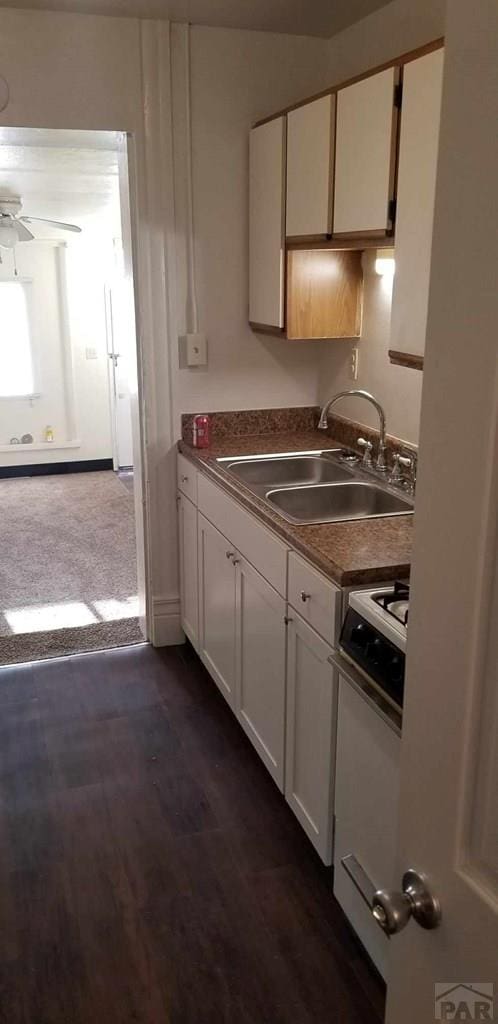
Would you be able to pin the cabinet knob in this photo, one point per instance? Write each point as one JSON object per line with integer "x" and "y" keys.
{"x": 304, "y": 596}
{"x": 235, "y": 561}
{"x": 184, "y": 479}
{"x": 230, "y": 554}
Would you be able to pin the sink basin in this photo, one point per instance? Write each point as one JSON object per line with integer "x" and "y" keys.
{"x": 336, "y": 502}
{"x": 286, "y": 471}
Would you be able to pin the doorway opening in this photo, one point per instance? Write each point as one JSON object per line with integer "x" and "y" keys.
{"x": 72, "y": 538}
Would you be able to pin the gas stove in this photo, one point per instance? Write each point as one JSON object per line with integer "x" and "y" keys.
{"x": 373, "y": 637}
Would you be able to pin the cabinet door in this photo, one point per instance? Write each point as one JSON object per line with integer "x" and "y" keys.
{"x": 365, "y": 152}
{"x": 310, "y": 150}
{"x": 189, "y": 589}
{"x": 366, "y": 808}
{"x": 419, "y": 138}
{"x": 310, "y": 734}
{"x": 260, "y": 703}
{"x": 217, "y": 607}
{"x": 266, "y": 223}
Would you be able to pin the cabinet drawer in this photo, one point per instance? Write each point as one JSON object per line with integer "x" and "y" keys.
{"x": 187, "y": 478}
{"x": 254, "y": 541}
{"x": 315, "y": 598}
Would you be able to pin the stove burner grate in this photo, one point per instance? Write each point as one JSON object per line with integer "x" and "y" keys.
{"x": 395, "y": 601}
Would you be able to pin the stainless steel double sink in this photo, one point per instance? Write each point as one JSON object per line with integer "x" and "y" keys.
{"x": 317, "y": 487}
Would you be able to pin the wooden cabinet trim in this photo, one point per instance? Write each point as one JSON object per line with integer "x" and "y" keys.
{"x": 405, "y": 58}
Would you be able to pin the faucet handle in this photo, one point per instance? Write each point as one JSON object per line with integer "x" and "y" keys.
{"x": 367, "y": 445}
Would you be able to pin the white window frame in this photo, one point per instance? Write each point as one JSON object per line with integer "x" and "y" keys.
{"x": 27, "y": 285}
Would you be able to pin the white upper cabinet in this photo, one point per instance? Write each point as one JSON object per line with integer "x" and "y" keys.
{"x": 310, "y": 151}
{"x": 419, "y": 138}
{"x": 266, "y": 223}
{"x": 365, "y": 154}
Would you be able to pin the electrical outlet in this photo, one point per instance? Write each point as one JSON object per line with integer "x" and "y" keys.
{"x": 353, "y": 368}
{"x": 91, "y": 353}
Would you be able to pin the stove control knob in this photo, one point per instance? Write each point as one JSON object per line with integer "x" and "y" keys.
{"x": 395, "y": 668}
{"x": 360, "y": 635}
{"x": 375, "y": 650}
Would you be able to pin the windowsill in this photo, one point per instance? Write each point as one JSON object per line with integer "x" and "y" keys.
{"x": 19, "y": 398}
{"x": 42, "y": 446}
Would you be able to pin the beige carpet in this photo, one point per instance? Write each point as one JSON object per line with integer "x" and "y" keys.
{"x": 67, "y": 565}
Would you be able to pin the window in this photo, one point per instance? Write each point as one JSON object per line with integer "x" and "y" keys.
{"x": 16, "y": 356}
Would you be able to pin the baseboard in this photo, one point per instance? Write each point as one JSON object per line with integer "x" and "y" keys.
{"x": 166, "y": 622}
{"x": 55, "y": 468}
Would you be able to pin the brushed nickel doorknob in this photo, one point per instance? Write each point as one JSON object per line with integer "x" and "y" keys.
{"x": 392, "y": 910}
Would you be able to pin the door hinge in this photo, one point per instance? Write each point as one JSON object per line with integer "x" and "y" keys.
{"x": 398, "y": 95}
{"x": 391, "y": 211}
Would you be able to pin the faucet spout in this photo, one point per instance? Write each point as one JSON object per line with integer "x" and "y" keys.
{"x": 359, "y": 393}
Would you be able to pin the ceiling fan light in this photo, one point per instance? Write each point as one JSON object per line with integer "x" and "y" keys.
{"x": 8, "y": 236}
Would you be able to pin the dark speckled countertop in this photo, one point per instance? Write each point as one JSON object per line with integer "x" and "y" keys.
{"x": 363, "y": 551}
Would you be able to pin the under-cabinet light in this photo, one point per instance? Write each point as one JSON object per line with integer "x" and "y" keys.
{"x": 385, "y": 264}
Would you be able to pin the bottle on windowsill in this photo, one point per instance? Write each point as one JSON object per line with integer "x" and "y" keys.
{"x": 49, "y": 435}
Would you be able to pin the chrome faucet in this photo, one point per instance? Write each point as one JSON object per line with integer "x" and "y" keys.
{"x": 380, "y": 464}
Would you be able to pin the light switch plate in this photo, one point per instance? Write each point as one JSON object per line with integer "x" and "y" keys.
{"x": 90, "y": 353}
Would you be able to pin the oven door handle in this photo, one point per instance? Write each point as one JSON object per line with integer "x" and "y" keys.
{"x": 359, "y": 878}
{"x": 351, "y": 675}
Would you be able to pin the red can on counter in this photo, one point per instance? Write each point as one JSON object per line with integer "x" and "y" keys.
{"x": 200, "y": 431}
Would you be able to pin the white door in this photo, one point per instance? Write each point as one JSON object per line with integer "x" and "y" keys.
{"x": 311, "y": 733}
{"x": 365, "y": 155}
{"x": 118, "y": 340}
{"x": 260, "y": 673}
{"x": 310, "y": 167}
{"x": 189, "y": 588}
{"x": 217, "y": 606}
{"x": 267, "y": 223}
{"x": 449, "y": 762}
{"x": 418, "y": 149}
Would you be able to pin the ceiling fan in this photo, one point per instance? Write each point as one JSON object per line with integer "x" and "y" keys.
{"x": 13, "y": 227}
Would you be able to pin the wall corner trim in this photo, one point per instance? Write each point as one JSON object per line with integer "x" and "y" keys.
{"x": 166, "y": 622}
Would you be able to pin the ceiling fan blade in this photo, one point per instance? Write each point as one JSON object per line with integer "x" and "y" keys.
{"x": 54, "y": 223}
{"x": 23, "y": 234}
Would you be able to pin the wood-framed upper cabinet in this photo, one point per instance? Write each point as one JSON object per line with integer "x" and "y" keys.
{"x": 418, "y": 152}
{"x": 267, "y": 144}
{"x": 365, "y": 155}
{"x": 310, "y": 165}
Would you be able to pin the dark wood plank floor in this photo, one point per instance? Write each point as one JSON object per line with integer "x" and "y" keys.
{"x": 151, "y": 873}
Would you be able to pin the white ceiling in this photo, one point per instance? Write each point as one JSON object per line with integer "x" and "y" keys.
{"x": 299, "y": 17}
{"x": 61, "y": 175}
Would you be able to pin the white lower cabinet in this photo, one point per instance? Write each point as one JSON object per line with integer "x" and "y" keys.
{"x": 366, "y": 809}
{"x": 217, "y": 607}
{"x": 311, "y": 733}
{"x": 260, "y": 666}
{"x": 189, "y": 587}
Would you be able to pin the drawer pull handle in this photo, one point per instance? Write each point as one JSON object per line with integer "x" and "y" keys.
{"x": 230, "y": 554}
{"x": 305, "y": 597}
{"x": 359, "y": 878}
{"x": 184, "y": 479}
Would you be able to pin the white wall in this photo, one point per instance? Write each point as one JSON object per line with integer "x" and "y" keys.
{"x": 237, "y": 78}
{"x": 397, "y": 388}
{"x": 395, "y": 29}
